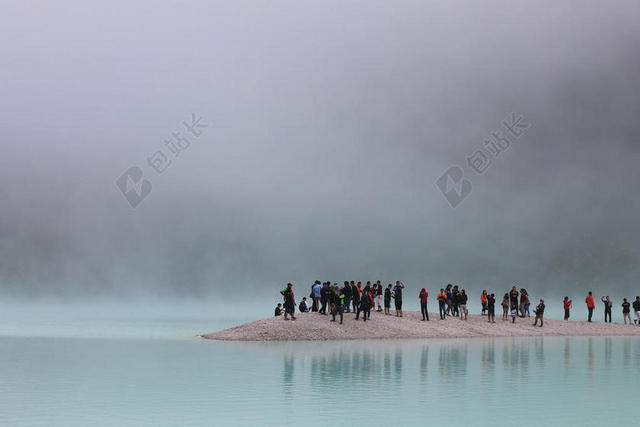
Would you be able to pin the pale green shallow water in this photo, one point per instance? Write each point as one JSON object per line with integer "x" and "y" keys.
{"x": 158, "y": 375}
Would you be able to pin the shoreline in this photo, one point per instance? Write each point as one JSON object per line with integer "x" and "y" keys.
{"x": 316, "y": 327}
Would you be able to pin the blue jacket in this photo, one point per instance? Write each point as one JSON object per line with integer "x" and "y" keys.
{"x": 316, "y": 290}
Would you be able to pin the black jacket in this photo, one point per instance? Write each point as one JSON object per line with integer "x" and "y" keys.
{"x": 347, "y": 291}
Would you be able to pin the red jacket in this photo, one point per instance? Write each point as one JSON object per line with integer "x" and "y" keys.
{"x": 423, "y": 296}
{"x": 590, "y": 302}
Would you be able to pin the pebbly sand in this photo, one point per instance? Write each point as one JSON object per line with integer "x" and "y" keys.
{"x": 313, "y": 326}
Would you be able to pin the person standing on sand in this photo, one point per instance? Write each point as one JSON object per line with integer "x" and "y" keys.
{"x": 424, "y": 296}
{"x": 339, "y": 307}
{"x": 397, "y": 296}
{"x": 483, "y": 302}
{"x": 524, "y": 302}
{"x": 462, "y": 305}
{"x": 355, "y": 290}
{"x": 374, "y": 292}
{"x": 455, "y": 300}
{"x": 591, "y": 304}
{"x": 491, "y": 308}
{"x": 289, "y": 301}
{"x": 513, "y": 298}
{"x": 513, "y": 302}
{"x": 505, "y": 307}
{"x": 608, "y": 304}
{"x": 365, "y": 304}
{"x": 346, "y": 290}
{"x": 442, "y": 301}
{"x": 447, "y": 291}
{"x": 626, "y": 311}
{"x": 333, "y": 297}
{"x": 636, "y": 309}
{"x": 539, "y": 311}
{"x": 387, "y": 300}
{"x": 316, "y": 289}
{"x": 567, "y": 307}
{"x": 379, "y": 295}
{"x": 324, "y": 298}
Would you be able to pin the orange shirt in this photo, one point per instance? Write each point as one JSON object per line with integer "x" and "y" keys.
{"x": 483, "y": 298}
{"x": 567, "y": 304}
{"x": 590, "y": 302}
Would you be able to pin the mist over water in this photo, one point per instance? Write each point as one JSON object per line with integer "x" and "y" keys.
{"x": 328, "y": 125}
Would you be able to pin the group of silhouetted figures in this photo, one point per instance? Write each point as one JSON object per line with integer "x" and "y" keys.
{"x": 337, "y": 300}
{"x": 327, "y": 298}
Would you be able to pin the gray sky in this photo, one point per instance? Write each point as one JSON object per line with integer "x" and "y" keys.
{"x": 328, "y": 125}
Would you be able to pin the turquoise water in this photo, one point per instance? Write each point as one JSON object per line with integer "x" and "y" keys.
{"x": 157, "y": 373}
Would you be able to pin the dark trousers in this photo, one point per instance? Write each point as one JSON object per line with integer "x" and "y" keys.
{"x": 366, "y": 312}
{"x": 347, "y": 303}
{"x": 590, "y": 313}
{"x": 356, "y": 304}
{"x": 607, "y": 312}
{"x": 566, "y": 314}
{"x": 443, "y": 309}
{"x": 425, "y": 313}
{"x": 338, "y": 309}
{"x": 323, "y": 310}
{"x": 316, "y": 304}
{"x": 538, "y": 316}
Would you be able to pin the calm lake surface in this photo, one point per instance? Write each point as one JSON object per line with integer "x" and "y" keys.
{"x": 114, "y": 367}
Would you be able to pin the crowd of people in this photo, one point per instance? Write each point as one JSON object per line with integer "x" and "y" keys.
{"x": 353, "y": 297}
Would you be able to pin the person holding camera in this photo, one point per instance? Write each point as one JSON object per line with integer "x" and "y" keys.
{"x": 539, "y": 311}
